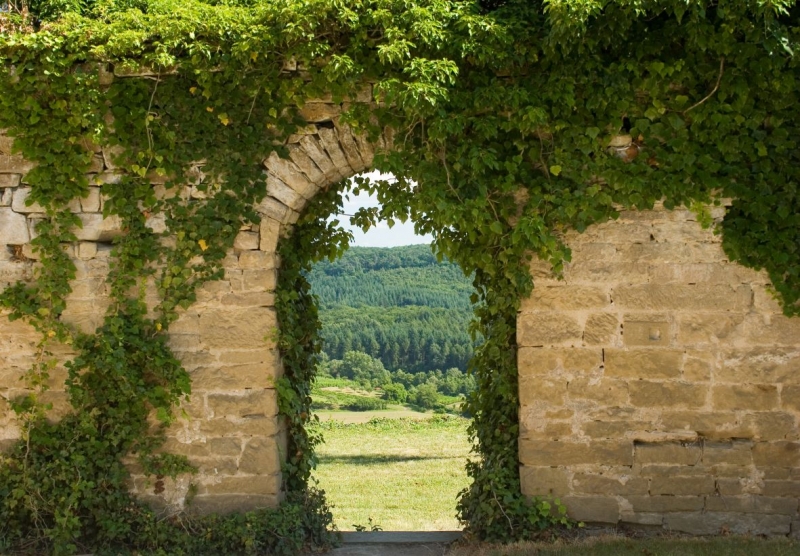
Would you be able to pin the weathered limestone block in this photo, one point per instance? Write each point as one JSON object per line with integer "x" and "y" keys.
{"x": 15, "y": 164}
{"x": 655, "y": 363}
{"x": 547, "y": 329}
{"x": 574, "y": 453}
{"x": 13, "y": 228}
{"x": 9, "y": 180}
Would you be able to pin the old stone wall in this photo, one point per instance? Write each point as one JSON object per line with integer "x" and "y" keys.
{"x": 660, "y": 384}
{"x": 230, "y": 427}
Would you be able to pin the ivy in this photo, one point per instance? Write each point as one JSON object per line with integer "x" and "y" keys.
{"x": 513, "y": 122}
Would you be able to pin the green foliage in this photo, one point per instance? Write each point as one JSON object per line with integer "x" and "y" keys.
{"x": 503, "y": 113}
{"x": 395, "y": 393}
{"x": 365, "y": 404}
{"x": 399, "y": 305}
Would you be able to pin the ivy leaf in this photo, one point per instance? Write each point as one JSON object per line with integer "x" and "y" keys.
{"x": 555, "y": 169}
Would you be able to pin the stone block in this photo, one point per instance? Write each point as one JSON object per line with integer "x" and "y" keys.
{"x": 229, "y": 376}
{"x": 305, "y": 164}
{"x": 752, "y": 504}
{"x": 87, "y": 250}
{"x": 261, "y": 485}
{"x": 544, "y": 481}
{"x": 771, "y": 425}
{"x": 759, "y": 397}
{"x": 776, "y": 454}
{"x": 13, "y": 228}
{"x": 718, "y": 523}
{"x": 350, "y": 147}
{"x": 609, "y": 484}
{"x": 541, "y": 361}
{"x": 538, "y": 388}
{"x": 6, "y": 143}
{"x": 250, "y": 403}
{"x": 9, "y": 180}
{"x": 565, "y": 298}
{"x": 682, "y": 486}
{"x": 258, "y": 425}
{"x": 661, "y": 297}
{"x": 612, "y": 429}
{"x": 790, "y": 398}
{"x": 259, "y": 280}
{"x": 645, "y": 393}
{"x": 260, "y": 457}
{"x": 228, "y": 503}
{"x": 782, "y": 488}
{"x": 6, "y": 197}
{"x": 545, "y": 329}
{"x": 276, "y": 210}
{"x": 314, "y": 149}
{"x": 709, "y": 328}
{"x": 699, "y": 273}
{"x": 738, "y": 452}
{"x": 668, "y": 453}
{"x": 772, "y": 329}
{"x": 249, "y": 299}
{"x": 643, "y": 363}
{"x": 330, "y": 141}
{"x": 607, "y": 391}
{"x": 246, "y": 241}
{"x": 646, "y": 330}
{"x": 91, "y": 202}
{"x": 225, "y": 329}
{"x": 15, "y": 164}
{"x": 282, "y": 192}
{"x": 257, "y": 260}
{"x": 602, "y": 329}
{"x": 269, "y": 231}
{"x": 663, "y": 504}
{"x": 698, "y": 365}
{"x": 289, "y": 174}
{"x": 592, "y": 509}
{"x": 317, "y": 112}
{"x": 557, "y": 453}
{"x": 760, "y": 365}
{"x": 708, "y": 424}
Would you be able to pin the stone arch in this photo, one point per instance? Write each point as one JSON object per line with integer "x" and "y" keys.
{"x": 230, "y": 430}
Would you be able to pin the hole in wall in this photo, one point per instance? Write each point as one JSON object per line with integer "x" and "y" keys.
{"x": 391, "y": 380}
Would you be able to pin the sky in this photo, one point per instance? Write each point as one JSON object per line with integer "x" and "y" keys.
{"x": 381, "y": 235}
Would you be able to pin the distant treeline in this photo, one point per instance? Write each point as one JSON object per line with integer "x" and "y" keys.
{"x": 399, "y": 305}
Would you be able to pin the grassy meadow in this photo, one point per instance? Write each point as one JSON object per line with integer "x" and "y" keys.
{"x": 396, "y": 474}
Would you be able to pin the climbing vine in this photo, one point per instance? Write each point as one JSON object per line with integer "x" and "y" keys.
{"x": 512, "y": 123}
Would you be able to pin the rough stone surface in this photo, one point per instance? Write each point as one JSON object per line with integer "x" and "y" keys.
{"x": 687, "y": 368}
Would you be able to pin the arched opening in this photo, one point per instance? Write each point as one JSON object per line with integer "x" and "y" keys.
{"x": 392, "y": 376}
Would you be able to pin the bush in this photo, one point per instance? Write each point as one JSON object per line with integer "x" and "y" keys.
{"x": 365, "y": 404}
{"x": 395, "y": 392}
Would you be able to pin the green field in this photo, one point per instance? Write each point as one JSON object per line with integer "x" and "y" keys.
{"x": 402, "y": 474}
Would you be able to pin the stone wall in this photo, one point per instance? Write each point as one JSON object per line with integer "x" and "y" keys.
{"x": 230, "y": 427}
{"x": 660, "y": 384}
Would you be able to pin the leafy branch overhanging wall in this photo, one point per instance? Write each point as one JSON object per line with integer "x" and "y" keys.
{"x": 517, "y": 121}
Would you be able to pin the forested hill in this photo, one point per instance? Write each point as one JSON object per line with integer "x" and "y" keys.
{"x": 397, "y": 304}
